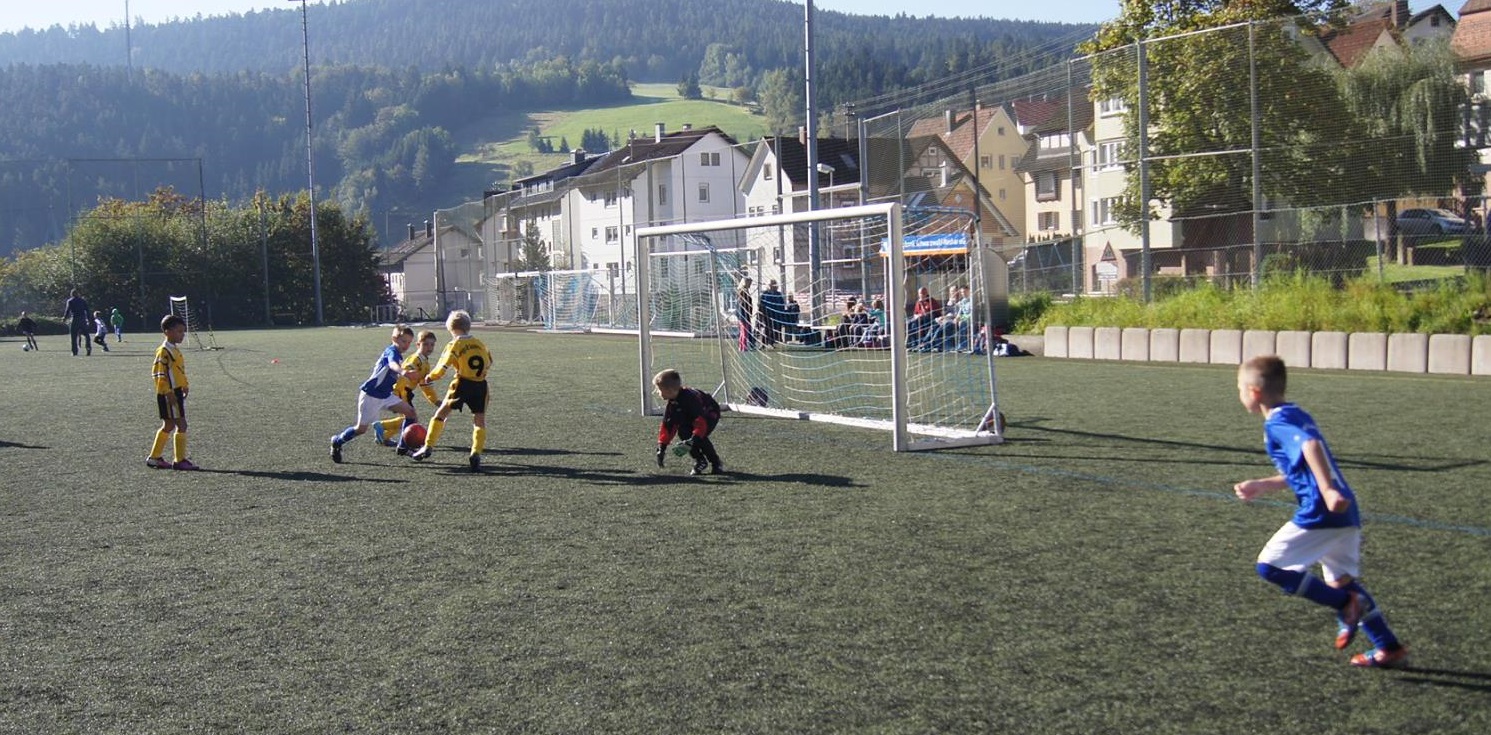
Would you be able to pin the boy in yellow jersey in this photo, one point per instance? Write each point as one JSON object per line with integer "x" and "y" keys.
{"x": 419, "y": 362}
{"x": 171, "y": 388}
{"x": 470, "y": 359}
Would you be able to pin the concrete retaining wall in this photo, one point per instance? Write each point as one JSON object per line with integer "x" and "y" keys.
{"x": 1442, "y": 354}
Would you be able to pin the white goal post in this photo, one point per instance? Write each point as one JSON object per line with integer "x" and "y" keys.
{"x": 199, "y": 333}
{"x": 931, "y": 385}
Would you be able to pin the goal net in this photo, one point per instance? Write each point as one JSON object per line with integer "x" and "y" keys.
{"x": 197, "y": 330}
{"x": 806, "y": 316}
{"x": 561, "y": 300}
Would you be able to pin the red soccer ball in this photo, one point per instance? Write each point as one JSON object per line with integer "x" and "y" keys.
{"x": 414, "y": 436}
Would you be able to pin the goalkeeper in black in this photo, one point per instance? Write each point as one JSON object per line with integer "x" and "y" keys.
{"x": 691, "y": 415}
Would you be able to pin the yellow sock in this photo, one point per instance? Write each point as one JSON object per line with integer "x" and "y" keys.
{"x": 433, "y": 435}
{"x": 161, "y": 437}
{"x": 478, "y": 439}
{"x": 392, "y": 427}
{"x": 180, "y": 446}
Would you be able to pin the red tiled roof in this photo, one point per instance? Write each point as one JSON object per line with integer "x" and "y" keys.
{"x": 1474, "y": 6}
{"x": 1472, "y": 40}
{"x": 1350, "y": 44}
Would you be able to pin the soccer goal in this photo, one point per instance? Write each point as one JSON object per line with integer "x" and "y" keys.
{"x": 197, "y": 330}
{"x": 559, "y": 300}
{"x": 803, "y": 349}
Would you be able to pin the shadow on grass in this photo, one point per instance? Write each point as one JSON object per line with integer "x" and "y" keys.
{"x": 638, "y": 479}
{"x": 1479, "y": 680}
{"x": 18, "y": 445}
{"x": 1409, "y": 464}
{"x": 302, "y": 476}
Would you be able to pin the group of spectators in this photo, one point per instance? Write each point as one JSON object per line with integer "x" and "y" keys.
{"x": 777, "y": 319}
{"x": 931, "y": 326}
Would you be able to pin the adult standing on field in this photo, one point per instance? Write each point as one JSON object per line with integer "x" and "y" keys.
{"x": 745, "y": 312}
{"x": 75, "y": 311}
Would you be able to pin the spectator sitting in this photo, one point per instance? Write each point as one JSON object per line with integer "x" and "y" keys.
{"x": 791, "y": 314}
{"x": 874, "y": 335}
{"x": 852, "y": 323}
{"x": 951, "y": 330}
{"x": 924, "y": 314}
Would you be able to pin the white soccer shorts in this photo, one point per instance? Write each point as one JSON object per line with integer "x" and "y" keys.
{"x": 370, "y": 409}
{"x": 1338, "y": 550}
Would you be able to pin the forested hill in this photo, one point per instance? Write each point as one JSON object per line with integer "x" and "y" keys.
{"x": 656, "y": 40}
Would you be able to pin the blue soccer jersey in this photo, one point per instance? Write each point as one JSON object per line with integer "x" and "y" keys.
{"x": 1285, "y": 432}
{"x": 385, "y": 373}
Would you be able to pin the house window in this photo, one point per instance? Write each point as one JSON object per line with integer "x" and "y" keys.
{"x": 1477, "y": 82}
{"x": 1109, "y": 155}
{"x": 611, "y": 233}
{"x": 595, "y": 232}
{"x": 704, "y": 192}
{"x": 709, "y": 158}
{"x": 1112, "y": 106}
{"x": 986, "y": 161}
{"x": 1048, "y": 221}
{"x": 1001, "y": 162}
{"x": 766, "y": 172}
{"x": 1045, "y": 187}
{"x": 662, "y": 193}
{"x": 1055, "y": 141}
{"x": 610, "y": 197}
{"x": 1105, "y": 211}
{"x": 1001, "y": 195}
{"x": 1001, "y": 130}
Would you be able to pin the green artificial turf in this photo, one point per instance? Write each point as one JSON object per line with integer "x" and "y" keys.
{"x": 1093, "y": 574}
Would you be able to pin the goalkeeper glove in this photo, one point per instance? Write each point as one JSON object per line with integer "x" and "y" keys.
{"x": 662, "y": 451}
{"x": 684, "y": 447}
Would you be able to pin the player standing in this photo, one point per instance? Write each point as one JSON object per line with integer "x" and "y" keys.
{"x": 470, "y": 359}
{"x": 1327, "y": 527}
{"x": 169, "y": 372}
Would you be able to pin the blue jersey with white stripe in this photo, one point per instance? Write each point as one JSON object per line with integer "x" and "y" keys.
{"x": 1285, "y": 432}
{"x": 385, "y": 373}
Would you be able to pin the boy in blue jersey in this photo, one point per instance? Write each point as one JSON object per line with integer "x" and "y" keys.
{"x": 376, "y": 394}
{"x": 1326, "y": 529}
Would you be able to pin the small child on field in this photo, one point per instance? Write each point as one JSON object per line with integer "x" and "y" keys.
{"x": 419, "y": 363}
{"x": 27, "y": 327}
{"x": 100, "y": 330}
{"x": 471, "y": 360}
{"x": 376, "y": 393}
{"x": 1326, "y": 529}
{"x": 691, "y": 415}
{"x": 169, "y": 372}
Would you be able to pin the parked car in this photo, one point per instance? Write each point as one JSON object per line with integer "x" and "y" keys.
{"x": 1431, "y": 222}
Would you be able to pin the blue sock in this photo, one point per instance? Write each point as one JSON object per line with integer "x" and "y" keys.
{"x": 1374, "y": 623}
{"x": 1303, "y": 585}
{"x": 348, "y": 434}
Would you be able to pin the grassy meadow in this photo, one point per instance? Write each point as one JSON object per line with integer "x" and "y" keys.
{"x": 1093, "y": 574}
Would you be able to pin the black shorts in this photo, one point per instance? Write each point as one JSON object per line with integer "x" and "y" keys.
{"x": 467, "y": 394}
{"x": 172, "y": 405}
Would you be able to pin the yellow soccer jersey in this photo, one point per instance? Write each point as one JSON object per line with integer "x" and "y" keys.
{"x": 169, "y": 369}
{"x": 406, "y": 387}
{"x": 467, "y": 355}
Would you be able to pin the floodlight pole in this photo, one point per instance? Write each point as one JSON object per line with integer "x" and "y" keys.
{"x": 815, "y": 253}
{"x": 310, "y": 162}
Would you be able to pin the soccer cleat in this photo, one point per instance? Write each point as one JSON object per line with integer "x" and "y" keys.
{"x": 717, "y": 469}
{"x": 700, "y": 466}
{"x": 1345, "y": 634}
{"x": 185, "y": 464}
{"x": 402, "y": 450}
{"x": 421, "y": 454}
{"x": 1380, "y": 659}
{"x": 336, "y": 451}
{"x": 475, "y": 461}
{"x": 378, "y": 433}
{"x": 157, "y": 463}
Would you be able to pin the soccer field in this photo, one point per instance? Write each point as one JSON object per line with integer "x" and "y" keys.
{"x": 1093, "y": 574}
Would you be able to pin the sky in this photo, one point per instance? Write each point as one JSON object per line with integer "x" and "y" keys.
{"x": 103, "y": 13}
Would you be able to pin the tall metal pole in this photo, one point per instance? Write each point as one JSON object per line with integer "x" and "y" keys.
{"x": 815, "y": 254}
{"x": 1144, "y": 236}
{"x": 310, "y": 163}
{"x": 1257, "y": 163}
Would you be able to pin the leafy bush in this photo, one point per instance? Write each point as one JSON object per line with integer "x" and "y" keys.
{"x": 1288, "y": 299}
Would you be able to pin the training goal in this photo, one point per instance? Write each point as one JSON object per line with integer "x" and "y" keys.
{"x": 808, "y": 316}
{"x": 198, "y": 330}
